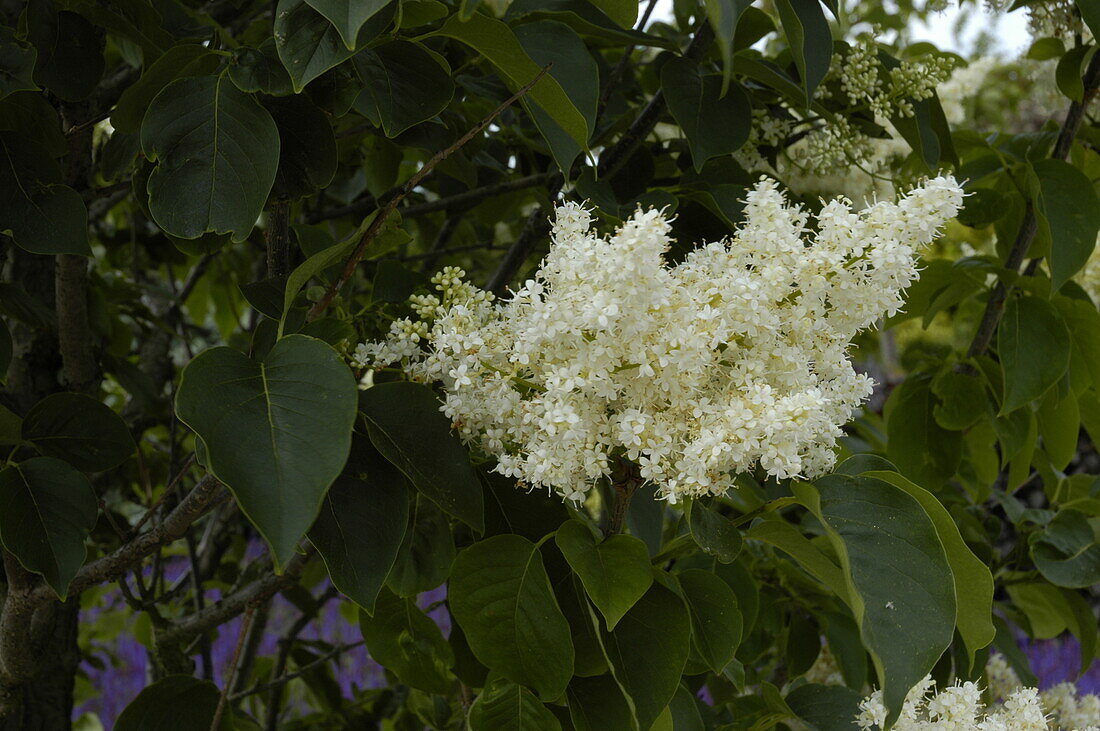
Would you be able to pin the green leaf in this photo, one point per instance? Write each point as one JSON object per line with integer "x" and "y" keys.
{"x": 598, "y": 704}
{"x": 178, "y": 702}
{"x": 572, "y": 66}
{"x": 714, "y": 532}
{"x": 136, "y": 21}
{"x": 962, "y": 399}
{"x": 427, "y": 550}
{"x": 1090, "y": 13}
{"x": 923, "y": 450}
{"x": 615, "y": 572}
{"x": 1043, "y": 605}
{"x": 1068, "y": 210}
{"x": 1034, "y": 347}
{"x": 501, "y": 596}
{"x": 80, "y": 430}
{"x": 49, "y": 510}
{"x": 623, "y": 12}
{"x": 825, "y": 707}
{"x": 503, "y": 704}
{"x": 40, "y": 214}
{"x": 309, "y": 45}
{"x": 307, "y": 147}
{"x": 403, "y": 85}
{"x": 495, "y": 41}
{"x": 901, "y": 589}
{"x": 647, "y": 652}
{"x": 408, "y": 643}
{"x": 810, "y": 40}
{"x": 788, "y": 539}
{"x": 178, "y": 62}
{"x": 714, "y": 124}
{"x": 16, "y": 64}
{"x": 259, "y": 69}
{"x": 277, "y": 431}
{"x": 348, "y": 16}
{"x": 360, "y": 530}
{"x": 1059, "y": 421}
{"x": 1066, "y": 552}
{"x": 1070, "y": 69}
{"x": 70, "y": 50}
{"x": 723, "y": 16}
{"x": 973, "y": 582}
{"x": 216, "y": 152}
{"x": 406, "y": 426}
{"x": 715, "y": 619}
{"x": 31, "y": 116}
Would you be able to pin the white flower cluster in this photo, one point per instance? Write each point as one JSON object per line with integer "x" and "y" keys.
{"x": 734, "y": 357}
{"x": 1013, "y": 708}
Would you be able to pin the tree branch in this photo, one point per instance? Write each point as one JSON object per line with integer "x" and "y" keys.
{"x": 994, "y": 306}
{"x": 384, "y": 212}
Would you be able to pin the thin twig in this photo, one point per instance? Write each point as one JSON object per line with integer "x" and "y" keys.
{"x": 231, "y": 671}
{"x": 384, "y": 212}
{"x": 286, "y": 678}
{"x": 167, "y": 491}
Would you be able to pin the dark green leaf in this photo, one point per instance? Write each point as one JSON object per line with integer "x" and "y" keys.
{"x": 307, "y": 147}
{"x": 16, "y": 64}
{"x": 1068, "y": 210}
{"x": 32, "y": 117}
{"x": 962, "y": 399}
{"x": 713, "y": 124}
{"x": 647, "y": 652}
{"x": 723, "y": 16}
{"x": 49, "y": 509}
{"x": 825, "y": 707}
{"x": 406, "y": 426}
{"x": 615, "y": 572}
{"x": 182, "y": 61}
{"x": 1034, "y": 346}
{"x": 500, "y": 594}
{"x": 714, "y": 532}
{"x": 408, "y": 643}
{"x": 810, "y": 40}
{"x": 923, "y": 450}
{"x": 715, "y": 619}
{"x": 504, "y": 705}
{"x": 80, "y": 430}
{"x": 259, "y": 69}
{"x": 277, "y": 431}
{"x": 217, "y": 152}
{"x": 404, "y": 85}
{"x": 70, "y": 50}
{"x": 178, "y": 702}
{"x": 427, "y": 550}
{"x": 360, "y": 529}
{"x": 1066, "y": 552}
{"x": 598, "y": 704}
{"x": 348, "y": 16}
{"x": 40, "y": 214}
{"x": 902, "y": 590}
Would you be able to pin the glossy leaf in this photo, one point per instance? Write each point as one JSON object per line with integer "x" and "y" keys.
{"x": 182, "y": 61}
{"x": 973, "y": 582}
{"x": 647, "y": 652}
{"x": 1031, "y": 327}
{"x": 408, "y": 643}
{"x": 348, "y": 16}
{"x": 80, "y": 430}
{"x": 714, "y": 532}
{"x": 501, "y": 595}
{"x": 403, "y": 85}
{"x": 1067, "y": 551}
{"x": 40, "y": 214}
{"x": 902, "y": 589}
{"x": 810, "y": 40}
{"x": 1068, "y": 211}
{"x": 49, "y": 509}
{"x": 406, "y": 426}
{"x": 360, "y": 529}
{"x": 715, "y": 620}
{"x": 825, "y": 707}
{"x": 503, "y": 704}
{"x": 615, "y": 572}
{"x": 277, "y": 431}
{"x": 216, "y": 152}
{"x": 714, "y": 124}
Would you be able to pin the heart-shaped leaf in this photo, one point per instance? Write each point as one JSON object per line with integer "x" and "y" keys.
{"x": 41, "y": 215}
{"x": 84, "y": 432}
{"x": 615, "y": 572}
{"x": 277, "y": 432}
{"x": 217, "y": 151}
{"x": 49, "y": 509}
